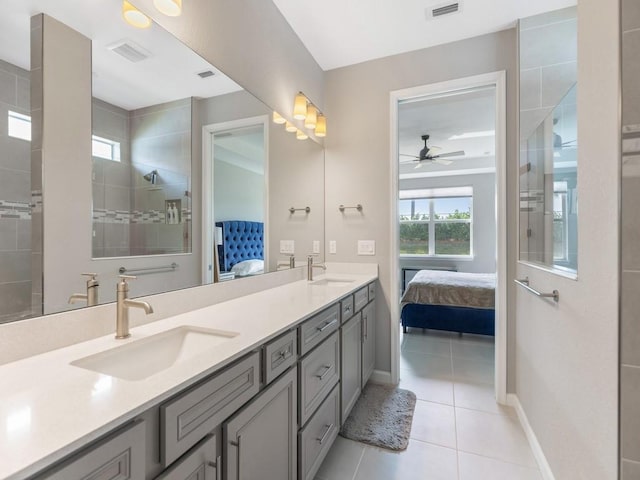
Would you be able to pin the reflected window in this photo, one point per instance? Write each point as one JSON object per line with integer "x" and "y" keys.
{"x": 105, "y": 148}
{"x": 436, "y": 222}
{"x": 19, "y": 126}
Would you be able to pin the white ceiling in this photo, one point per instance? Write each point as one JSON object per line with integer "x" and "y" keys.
{"x": 242, "y": 147}
{"x": 344, "y": 32}
{"x": 442, "y": 117}
{"x": 168, "y": 74}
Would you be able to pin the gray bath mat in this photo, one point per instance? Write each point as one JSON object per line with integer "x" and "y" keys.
{"x": 381, "y": 417}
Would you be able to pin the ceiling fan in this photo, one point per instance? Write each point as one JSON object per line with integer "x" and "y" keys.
{"x": 426, "y": 155}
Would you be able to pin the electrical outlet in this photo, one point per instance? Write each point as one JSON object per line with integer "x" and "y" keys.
{"x": 287, "y": 247}
{"x": 333, "y": 247}
{"x": 316, "y": 246}
{"x": 366, "y": 247}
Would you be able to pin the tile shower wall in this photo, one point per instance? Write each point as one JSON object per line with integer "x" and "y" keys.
{"x": 15, "y": 198}
{"x": 630, "y": 247}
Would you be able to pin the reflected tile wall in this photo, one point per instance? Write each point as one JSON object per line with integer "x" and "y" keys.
{"x": 630, "y": 244}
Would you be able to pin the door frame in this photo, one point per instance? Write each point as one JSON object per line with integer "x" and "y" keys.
{"x": 497, "y": 80}
{"x": 208, "y": 237}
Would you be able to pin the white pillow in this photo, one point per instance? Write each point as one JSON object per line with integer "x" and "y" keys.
{"x": 248, "y": 267}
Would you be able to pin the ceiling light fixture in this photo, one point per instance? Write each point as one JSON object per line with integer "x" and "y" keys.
{"x": 312, "y": 117}
{"x": 300, "y": 135}
{"x": 321, "y": 126}
{"x": 290, "y": 127}
{"x": 300, "y": 107}
{"x": 134, "y": 17}
{"x": 171, "y": 8}
{"x": 279, "y": 119}
{"x": 484, "y": 133}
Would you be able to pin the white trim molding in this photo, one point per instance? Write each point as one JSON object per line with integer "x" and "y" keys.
{"x": 380, "y": 376}
{"x": 536, "y": 448}
{"x": 498, "y": 81}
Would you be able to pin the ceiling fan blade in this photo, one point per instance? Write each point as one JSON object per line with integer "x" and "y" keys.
{"x": 459, "y": 153}
{"x": 442, "y": 162}
{"x": 419, "y": 165}
{"x": 407, "y": 155}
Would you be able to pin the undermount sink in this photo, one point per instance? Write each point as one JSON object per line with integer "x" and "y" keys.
{"x": 141, "y": 359}
{"x": 333, "y": 282}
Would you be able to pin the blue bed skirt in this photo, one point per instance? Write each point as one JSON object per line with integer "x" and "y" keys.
{"x": 453, "y": 319}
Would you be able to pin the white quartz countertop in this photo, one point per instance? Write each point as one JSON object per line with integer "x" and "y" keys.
{"x": 49, "y": 408}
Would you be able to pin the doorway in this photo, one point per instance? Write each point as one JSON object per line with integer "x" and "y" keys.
{"x": 452, "y": 199}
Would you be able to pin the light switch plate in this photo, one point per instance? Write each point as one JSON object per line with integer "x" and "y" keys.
{"x": 316, "y": 246}
{"x": 366, "y": 247}
{"x": 287, "y": 247}
{"x": 333, "y": 247}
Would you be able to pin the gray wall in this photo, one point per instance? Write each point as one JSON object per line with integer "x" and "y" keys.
{"x": 567, "y": 353}
{"x": 15, "y": 213}
{"x": 484, "y": 222}
{"x": 357, "y": 150}
{"x": 630, "y": 268}
{"x": 238, "y": 193}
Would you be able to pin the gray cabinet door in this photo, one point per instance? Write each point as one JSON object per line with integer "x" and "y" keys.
{"x": 351, "y": 372}
{"x": 260, "y": 440}
{"x": 368, "y": 341}
{"x": 202, "y": 462}
{"x": 120, "y": 456}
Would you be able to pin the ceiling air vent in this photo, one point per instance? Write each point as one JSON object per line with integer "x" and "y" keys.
{"x": 206, "y": 74}
{"x": 443, "y": 9}
{"x": 129, "y": 50}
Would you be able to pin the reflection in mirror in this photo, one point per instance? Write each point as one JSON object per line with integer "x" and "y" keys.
{"x": 548, "y": 142}
{"x": 146, "y": 215}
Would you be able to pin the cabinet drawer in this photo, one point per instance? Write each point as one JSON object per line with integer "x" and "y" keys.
{"x": 346, "y": 306}
{"x": 316, "y": 438}
{"x": 186, "y": 419}
{"x": 279, "y": 355}
{"x": 361, "y": 298}
{"x": 319, "y": 372}
{"x": 372, "y": 291}
{"x": 120, "y": 456}
{"x": 319, "y": 327}
{"x": 202, "y": 462}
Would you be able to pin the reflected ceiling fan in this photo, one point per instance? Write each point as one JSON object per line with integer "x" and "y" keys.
{"x": 426, "y": 155}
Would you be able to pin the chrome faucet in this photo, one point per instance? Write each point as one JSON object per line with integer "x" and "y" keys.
{"x": 311, "y": 266}
{"x": 292, "y": 261}
{"x": 124, "y": 303}
{"x": 91, "y": 297}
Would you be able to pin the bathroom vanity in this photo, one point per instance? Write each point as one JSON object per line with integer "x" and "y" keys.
{"x": 249, "y": 388}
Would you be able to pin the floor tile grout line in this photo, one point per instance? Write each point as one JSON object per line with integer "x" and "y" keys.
{"x": 501, "y": 460}
{"x": 355, "y": 473}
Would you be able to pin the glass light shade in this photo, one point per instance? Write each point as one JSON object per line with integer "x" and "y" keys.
{"x": 300, "y": 107}
{"x": 134, "y": 17}
{"x": 312, "y": 116}
{"x": 300, "y": 135}
{"x": 321, "y": 126}
{"x": 290, "y": 127}
{"x": 171, "y": 8}
{"x": 279, "y": 119}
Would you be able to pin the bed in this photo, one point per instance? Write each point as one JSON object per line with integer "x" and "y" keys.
{"x": 452, "y": 301}
{"x": 241, "y": 247}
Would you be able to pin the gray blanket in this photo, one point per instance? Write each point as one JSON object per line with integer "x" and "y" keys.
{"x": 432, "y": 287}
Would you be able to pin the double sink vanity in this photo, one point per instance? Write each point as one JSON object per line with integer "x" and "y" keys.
{"x": 254, "y": 387}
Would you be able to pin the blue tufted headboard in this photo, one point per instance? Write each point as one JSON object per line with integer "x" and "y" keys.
{"x": 240, "y": 241}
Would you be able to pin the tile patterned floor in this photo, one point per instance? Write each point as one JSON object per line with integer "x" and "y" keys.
{"x": 458, "y": 431}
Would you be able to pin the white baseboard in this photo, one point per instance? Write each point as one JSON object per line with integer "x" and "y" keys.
{"x": 380, "y": 376}
{"x": 536, "y": 448}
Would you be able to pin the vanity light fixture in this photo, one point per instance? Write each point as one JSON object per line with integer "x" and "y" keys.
{"x": 300, "y": 135}
{"x": 279, "y": 119}
{"x": 300, "y": 107}
{"x": 312, "y": 116}
{"x": 171, "y": 8}
{"x": 134, "y": 17}
{"x": 290, "y": 127}
{"x": 321, "y": 126}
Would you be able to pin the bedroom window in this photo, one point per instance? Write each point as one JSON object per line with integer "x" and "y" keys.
{"x": 436, "y": 222}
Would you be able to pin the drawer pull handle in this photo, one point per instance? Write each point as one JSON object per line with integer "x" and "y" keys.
{"x": 237, "y": 444}
{"x": 347, "y": 308}
{"x": 327, "y": 369}
{"x": 327, "y": 325}
{"x": 285, "y": 354}
{"x": 325, "y": 434}
{"x": 217, "y": 465}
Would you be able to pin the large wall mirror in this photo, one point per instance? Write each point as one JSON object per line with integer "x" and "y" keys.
{"x": 548, "y": 141}
{"x": 191, "y": 182}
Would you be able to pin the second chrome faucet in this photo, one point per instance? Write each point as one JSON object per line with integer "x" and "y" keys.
{"x": 311, "y": 266}
{"x": 123, "y": 305}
